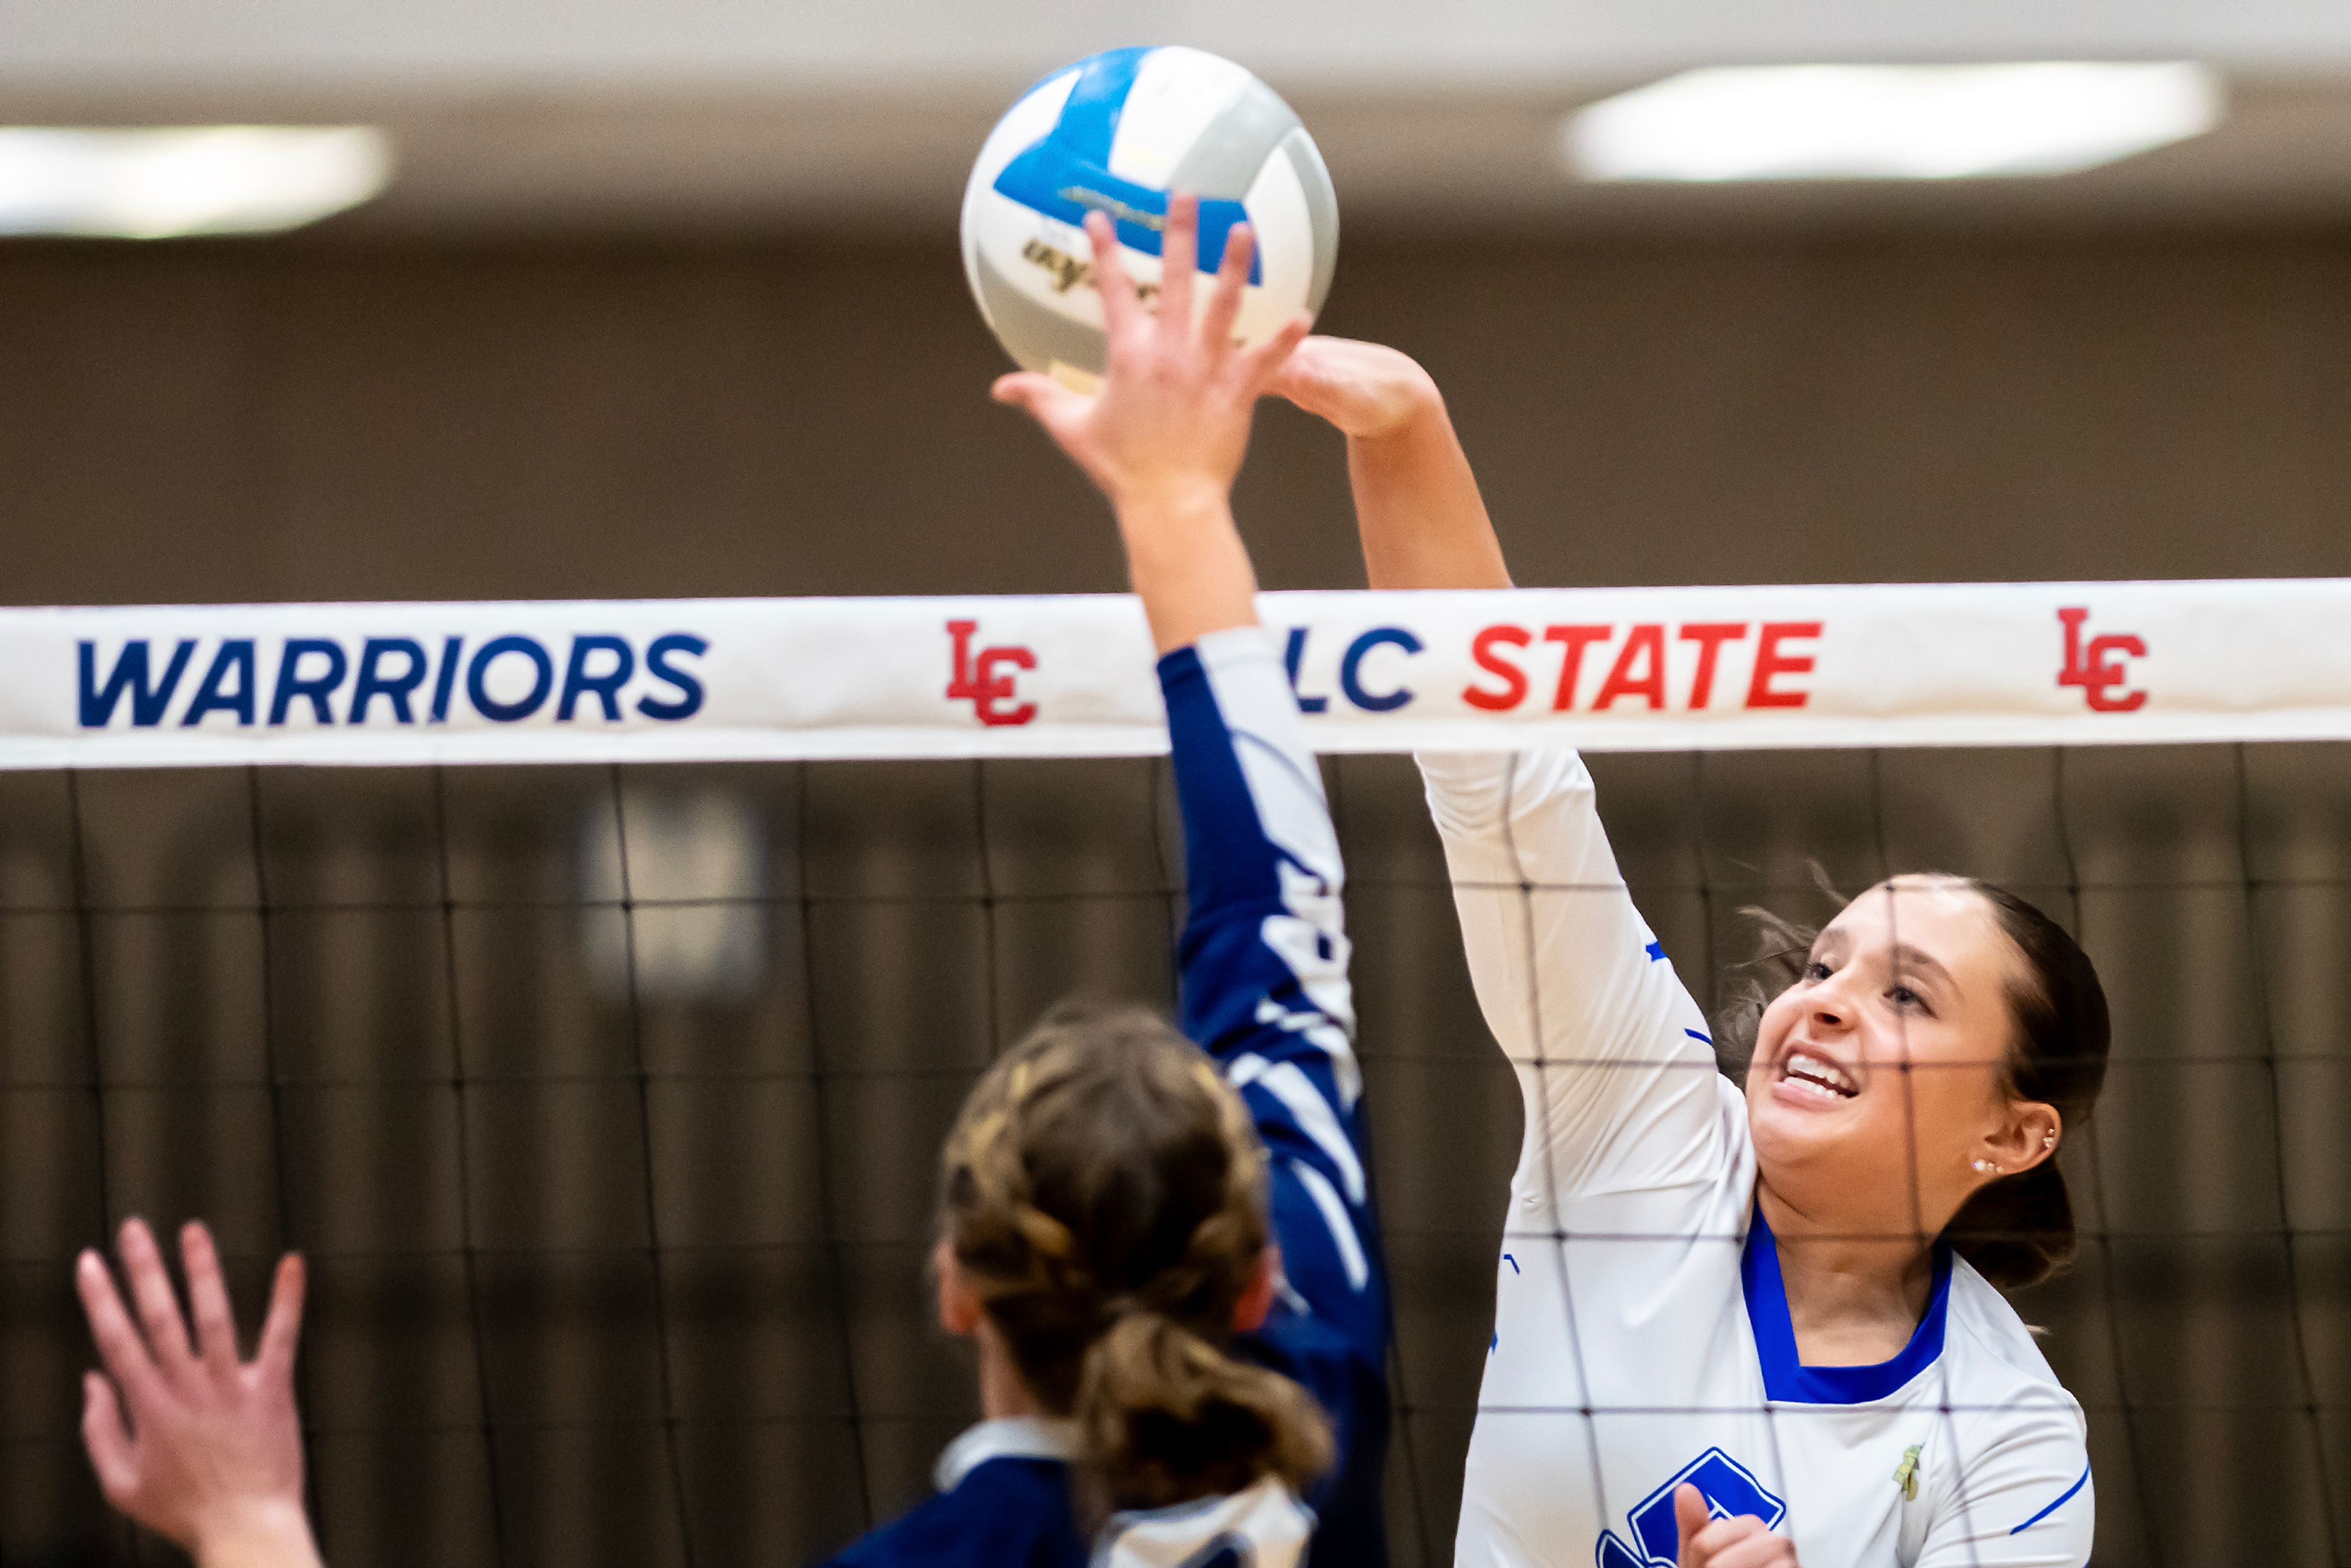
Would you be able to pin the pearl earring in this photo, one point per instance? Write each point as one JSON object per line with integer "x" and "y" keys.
{"x": 1983, "y": 1165}
{"x": 2048, "y": 1140}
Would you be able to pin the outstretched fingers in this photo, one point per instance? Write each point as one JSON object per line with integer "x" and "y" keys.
{"x": 120, "y": 1346}
{"x": 1257, "y": 366}
{"x": 208, "y": 1301}
{"x": 1225, "y": 300}
{"x": 1180, "y": 259}
{"x": 108, "y": 1439}
{"x": 150, "y": 1291}
{"x": 1043, "y": 399}
{"x": 281, "y": 1331}
{"x": 1122, "y": 312}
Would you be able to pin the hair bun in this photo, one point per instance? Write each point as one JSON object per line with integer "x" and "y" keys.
{"x": 1103, "y": 1194}
{"x": 2008, "y": 1229}
{"x": 1168, "y": 1416}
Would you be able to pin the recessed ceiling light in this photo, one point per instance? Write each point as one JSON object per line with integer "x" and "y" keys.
{"x": 1890, "y": 122}
{"x": 157, "y": 182}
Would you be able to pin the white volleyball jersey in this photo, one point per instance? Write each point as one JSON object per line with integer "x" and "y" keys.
{"x": 1642, "y": 1337}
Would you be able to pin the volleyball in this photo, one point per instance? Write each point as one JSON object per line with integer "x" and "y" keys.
{"x": 1115, "y": 133}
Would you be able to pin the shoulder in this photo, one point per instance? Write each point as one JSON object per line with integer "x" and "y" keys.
{"x": 1006, "y": 1513}
{"x": 2022, "y": 1443}
{"x": 1994, "y": 1354}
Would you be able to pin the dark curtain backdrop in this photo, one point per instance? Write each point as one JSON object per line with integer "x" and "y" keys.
{"x": 312, "y": 420}
{"x": 606, "y": 1274}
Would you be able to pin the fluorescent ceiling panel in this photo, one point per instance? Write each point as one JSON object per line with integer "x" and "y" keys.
{"x": 161, "y": 181}
{"x": 1890, "y": 122}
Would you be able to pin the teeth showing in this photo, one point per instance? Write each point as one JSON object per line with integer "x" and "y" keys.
{"x": 1824, "y": 1079}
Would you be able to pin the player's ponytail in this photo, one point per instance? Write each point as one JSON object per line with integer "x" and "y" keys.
{"x": 1104, "y": 1198}
{"x": 2019, "y": 1229}
{"x": 1169, "y": 1415}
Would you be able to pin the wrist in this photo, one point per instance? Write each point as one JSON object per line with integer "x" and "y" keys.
{"x": 262, "y": 1534}
{"x": 1414, "y": 412}
{"x": 1163, "y": 520}
{"x": 1186, "y": 560}
{"x": 1171, "y": 499}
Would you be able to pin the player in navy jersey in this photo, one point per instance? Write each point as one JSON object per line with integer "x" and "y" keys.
{"x": 1739, "y": 1325}
{"x": 1162, "y": 1247}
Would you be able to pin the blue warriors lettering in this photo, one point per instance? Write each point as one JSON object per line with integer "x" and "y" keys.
{"x": 381, "y": 681}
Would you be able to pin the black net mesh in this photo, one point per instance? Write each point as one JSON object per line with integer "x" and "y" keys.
{"x": 605, "y": 1102}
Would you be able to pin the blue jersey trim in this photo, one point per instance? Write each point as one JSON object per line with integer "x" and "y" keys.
{"x": 2063, "y": 1498}
{"x": 1786, "y": 1379}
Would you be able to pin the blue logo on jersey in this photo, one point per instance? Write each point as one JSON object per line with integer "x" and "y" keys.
{"x": 1730, "y": 1491}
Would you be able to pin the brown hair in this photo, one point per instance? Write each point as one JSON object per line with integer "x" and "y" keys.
{"x": 1103, "y": 1192}
{"x": 2018, "y": 1230}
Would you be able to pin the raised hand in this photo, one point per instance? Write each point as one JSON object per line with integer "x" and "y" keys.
{"x": 1165, "y": 435}
{"x": 1367, "y": 389}
{"x": 1741, "y": 1542}
{"x": 1172, "y": 418}
{"x": 1423, "y": 523}
{"x": 211, "y": 1452}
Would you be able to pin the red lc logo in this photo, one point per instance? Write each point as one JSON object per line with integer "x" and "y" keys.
{"x": 976, "y": 681}
{"x": 2095, "y": 667}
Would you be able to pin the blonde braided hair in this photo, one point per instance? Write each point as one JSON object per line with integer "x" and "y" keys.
{"x": 1103, "y": 1192}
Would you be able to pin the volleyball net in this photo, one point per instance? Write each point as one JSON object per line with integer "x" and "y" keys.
{"x": 593, "y": 1022}
{"x": 751, "y": 680}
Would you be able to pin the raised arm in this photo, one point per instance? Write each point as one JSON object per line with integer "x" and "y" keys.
{"x": 1264, "y": 963}
{"x": 1263, "y": 955}
{"x": 1165, "y": 436}
{"x": 1612, "y": 1055}
{"x": 1423, "y": 523}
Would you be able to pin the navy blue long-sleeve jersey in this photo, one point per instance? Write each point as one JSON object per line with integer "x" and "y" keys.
{"x": 1263, "y": 963}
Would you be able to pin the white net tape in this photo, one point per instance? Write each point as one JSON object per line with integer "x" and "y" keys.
{"x": 1607, "y": 669}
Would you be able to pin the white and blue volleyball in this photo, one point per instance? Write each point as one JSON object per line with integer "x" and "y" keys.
{"x": 1115, "y": 133}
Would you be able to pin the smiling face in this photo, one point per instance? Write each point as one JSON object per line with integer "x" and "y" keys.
{"x": 1879, "y": 1088}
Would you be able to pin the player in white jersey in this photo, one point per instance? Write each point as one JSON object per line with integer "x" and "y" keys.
{"x": 1738, "y": 1326}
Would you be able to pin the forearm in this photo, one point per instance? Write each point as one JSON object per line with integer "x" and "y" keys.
{"x": 1264, "y": 957}
{"x": 1424, "y": 524}
{"x": 1187, "y": 564}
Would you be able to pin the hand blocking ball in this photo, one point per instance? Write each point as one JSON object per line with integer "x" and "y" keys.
{"x": 1115, "y": 133}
